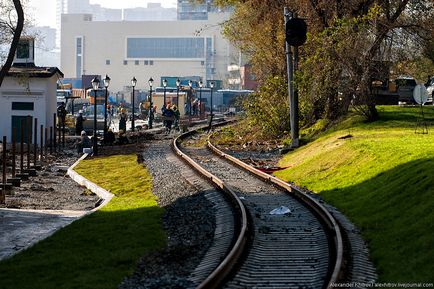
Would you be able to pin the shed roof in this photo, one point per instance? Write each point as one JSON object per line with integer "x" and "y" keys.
{"x": 34, "y": 71}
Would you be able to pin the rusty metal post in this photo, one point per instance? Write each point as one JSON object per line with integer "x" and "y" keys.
{"x": 22, "y": 147}
{"x": 53, "y": 137}
{"x": 4, "y": 162}
{"x": 46, "y": 142}
{"x": 51, "y": 140}
{"x": 41, "y": 155}
{"x": 28, "y": 139}
{"x": 14, "y": 150}
{"x": 3, "y": 190}
{"x": 14, "y": 180}
{"x": 63, "y": 134}
{"x": 35, "y": 142}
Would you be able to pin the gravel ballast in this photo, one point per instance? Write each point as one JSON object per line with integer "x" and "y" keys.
{"x": 188, "y": 220}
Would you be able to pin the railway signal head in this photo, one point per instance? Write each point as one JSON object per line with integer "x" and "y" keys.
{"x": 296, "y": 30}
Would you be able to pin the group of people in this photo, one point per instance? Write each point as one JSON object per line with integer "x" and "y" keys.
{"x": 194, "y": 106}
{"x": 171, "y": 116}
{"x": 109, "y": 137}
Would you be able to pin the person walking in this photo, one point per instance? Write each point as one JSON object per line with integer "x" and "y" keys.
{"x": 177, "y": 115}
{"x": 123, "y": 120}
{"x": 79, "y": 123}
{"x": 61, "y": 114}
{"x": 169, "y": 117}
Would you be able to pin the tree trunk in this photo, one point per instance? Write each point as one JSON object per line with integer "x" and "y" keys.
{"x": 17, "y": 34}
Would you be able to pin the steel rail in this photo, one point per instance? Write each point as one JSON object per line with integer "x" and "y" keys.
{"x": 330, "y": 222}
{"x": 225, "y": 267}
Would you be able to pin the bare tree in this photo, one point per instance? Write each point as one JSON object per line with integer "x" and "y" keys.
{"x": 13, "y": 24}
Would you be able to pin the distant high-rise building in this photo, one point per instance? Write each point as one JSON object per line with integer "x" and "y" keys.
{"x": 153, "y": 12}
{"x": 78, "y": 6}
{"x": 105, "y": 14}
{"x": 45, "y": 37}
{"x": 45, "y": 50}
{"x": 192, "y": 11}
{"x": 188, "y": 10}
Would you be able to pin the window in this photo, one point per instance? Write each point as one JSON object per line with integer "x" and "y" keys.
{"x": 23, "y": 49}
{"x": 202, "y": 63}
{"x": 136, "y": 62}
{"x": 107, "y": 61}
{"x": 209, "y": 50}
{"x": 146, "y": 62}
{"x": 186, "y": 47}
{"x": 125, "y": 62}
{"x": 78, "y": 56}
{"x": 151, "y": 62}
{"x": 23, "y": 106}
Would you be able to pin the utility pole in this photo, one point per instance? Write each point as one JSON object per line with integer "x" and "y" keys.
{"x": 290, "y": 71}
{"x": 295, "y": 29}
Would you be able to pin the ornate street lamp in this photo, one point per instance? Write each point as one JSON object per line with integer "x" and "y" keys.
{"x": 106, "y": 81}
{"x": 151, "y": 114}
{"x": 190, "y": 84}
{"x": 211, "y": 85}
{"x": 95, "y": 86}
{"x": 133, "y": 84}
{"x": 178, "y": 83}
{"x": 164, "y": 92}
{"x": 200, "y": 98}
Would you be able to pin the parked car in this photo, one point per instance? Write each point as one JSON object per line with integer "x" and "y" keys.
{"x": 404, "y": 88}
{"x": 430, "y": 90}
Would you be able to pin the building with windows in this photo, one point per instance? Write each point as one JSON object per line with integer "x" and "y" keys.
{"x": 144, "y": 49}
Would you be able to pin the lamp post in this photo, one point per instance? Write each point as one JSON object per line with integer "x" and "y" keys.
{"x": 151, "y": 81}
{"x": 133, "y": 84}
{"x": 164, "y": 92}
{"x": 200, "y": 98}
{"x": 211, "y": 85}
{"x": 95, "y": 86}
{"x": 190, "y": 84}
{"x": 178, "y": 83}
{"x": 106, "y": 81}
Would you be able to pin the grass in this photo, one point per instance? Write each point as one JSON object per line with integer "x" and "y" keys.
{"x": 97, "y": 251}
{"x": 382, "y": 178}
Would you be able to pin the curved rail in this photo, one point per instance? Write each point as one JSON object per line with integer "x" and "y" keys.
{"x": 330, "y": 222}
{"x": 218, "y": 275}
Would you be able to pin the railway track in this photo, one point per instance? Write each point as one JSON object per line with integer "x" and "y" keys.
{"x": 298, "y": 249}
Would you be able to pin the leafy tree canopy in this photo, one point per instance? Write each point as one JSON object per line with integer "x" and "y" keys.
{"x": 348, "y": 41}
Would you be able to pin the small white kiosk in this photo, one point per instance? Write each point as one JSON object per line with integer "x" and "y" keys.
{"x": 27, "y": 90}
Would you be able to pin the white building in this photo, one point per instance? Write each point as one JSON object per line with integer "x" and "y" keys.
{"x": 144, "y": 49}
{"x": 27, "y": 90}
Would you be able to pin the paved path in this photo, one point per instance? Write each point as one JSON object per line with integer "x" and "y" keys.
{"x": 21, "y": 229}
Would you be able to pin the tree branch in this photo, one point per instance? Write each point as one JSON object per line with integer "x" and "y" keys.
{"x": 19, "y": 28}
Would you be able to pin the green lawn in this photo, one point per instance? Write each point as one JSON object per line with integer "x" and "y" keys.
{"x": 99, "y": 250}
{"x": 383, "y": 179}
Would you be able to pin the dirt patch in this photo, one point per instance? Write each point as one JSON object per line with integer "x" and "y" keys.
{"x": 52, "y": 188}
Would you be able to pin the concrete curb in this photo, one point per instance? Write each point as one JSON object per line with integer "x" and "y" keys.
{"x": 100, "y": 192}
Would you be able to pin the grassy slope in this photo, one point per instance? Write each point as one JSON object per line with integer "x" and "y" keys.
{"x": 100, "y": 249}
{"x": 382, "y": 178}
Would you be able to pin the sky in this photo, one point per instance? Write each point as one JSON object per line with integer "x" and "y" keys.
{"x": 44, "y": 11}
